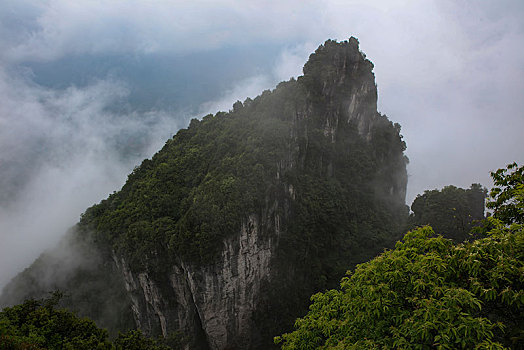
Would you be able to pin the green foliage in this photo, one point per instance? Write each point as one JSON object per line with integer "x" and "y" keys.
{"x": 40, "y": 325}
{"x": 210, "y": 177}
{"x": 451, "y": 212}
{"x": 426, "y": 293}
{"x": 199, "y": 187}
{"x": 506, "y": 198}
{"x": 92, "y": 286}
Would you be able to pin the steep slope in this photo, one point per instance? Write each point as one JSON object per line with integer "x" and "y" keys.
{"x": 225, "y": 233}
{"x": 451, "y": 212}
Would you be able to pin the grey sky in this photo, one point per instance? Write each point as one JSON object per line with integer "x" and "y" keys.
{"x": 450, "y": 72}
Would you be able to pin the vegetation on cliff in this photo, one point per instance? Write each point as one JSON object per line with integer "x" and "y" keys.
{"x": 199, "y": 187}
{"x": 293, "y": 155}
{"x": 428, "y": 292}
{"x": 451, "y": 212}
{"x": 42, "y": 325}
{"x": 316, "y": 164}
{"x": 207, "y": 179}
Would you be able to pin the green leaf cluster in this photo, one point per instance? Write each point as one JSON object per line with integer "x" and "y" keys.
{"x": 506, "y": 198}
{"x": 426, "y": 293}
{"x": 40, "y": 325}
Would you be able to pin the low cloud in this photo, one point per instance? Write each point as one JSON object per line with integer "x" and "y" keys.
{"x": 288, "y": 64}
{"x": 55, "y": 28}
{"x": 60, "y": 152}
{"x": 250, "y": 87}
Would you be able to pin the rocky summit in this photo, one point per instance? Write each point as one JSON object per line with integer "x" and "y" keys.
{"x": 219, "y": 240}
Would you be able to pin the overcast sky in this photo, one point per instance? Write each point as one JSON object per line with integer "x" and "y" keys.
{"x": 89, "y": 88}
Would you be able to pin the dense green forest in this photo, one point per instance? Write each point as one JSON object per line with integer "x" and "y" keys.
{"x": 451, "y": 212}
{"x": 429, "y": 292}
{"x": 41, "y": 324}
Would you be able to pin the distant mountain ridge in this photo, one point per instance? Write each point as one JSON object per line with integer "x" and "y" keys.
{"x": 225, "y": 233}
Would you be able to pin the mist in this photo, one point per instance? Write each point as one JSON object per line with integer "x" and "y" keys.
{"x": 88, "y": 89}
{"x": 62, "y": 151}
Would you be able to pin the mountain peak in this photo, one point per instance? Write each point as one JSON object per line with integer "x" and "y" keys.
{"x": 338, "y": 77}
{"x": 336, "y": 59}
{"x": 226, "y": 232}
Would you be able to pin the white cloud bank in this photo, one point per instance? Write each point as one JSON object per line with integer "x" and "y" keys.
{"x": 60, "y": 152}
{"x": 55, "y": 28}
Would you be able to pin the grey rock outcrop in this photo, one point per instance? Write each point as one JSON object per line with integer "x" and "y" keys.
{"x": 282, "y": 252}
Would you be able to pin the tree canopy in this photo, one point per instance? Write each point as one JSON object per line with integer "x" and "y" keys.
{"x": 426, "y": 293}
{"x": 506, "y": 198}
{"x": 40, "y": 325}
{"x": 430, "y": 293}
{"x": 451, "y": 212}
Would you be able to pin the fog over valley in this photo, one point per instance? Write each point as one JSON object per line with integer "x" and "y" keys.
{"x": 88, "y": 89}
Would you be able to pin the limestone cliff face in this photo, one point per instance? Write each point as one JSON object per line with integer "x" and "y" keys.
{"x": 342, "y": 94}
{"x": 324, "y": 190}
{"x": 222, "y": 301}
{"x": 212, "y": 304}
{"x": 343, "y": 76}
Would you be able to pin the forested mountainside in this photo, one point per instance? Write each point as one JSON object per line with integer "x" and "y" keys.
{"x": 451, "y": 212}
{"x": 429, "y": 293}
{"x": 225, "y": 233}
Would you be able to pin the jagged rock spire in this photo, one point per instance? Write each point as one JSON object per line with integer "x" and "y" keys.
{"x": 339, "y": 76}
